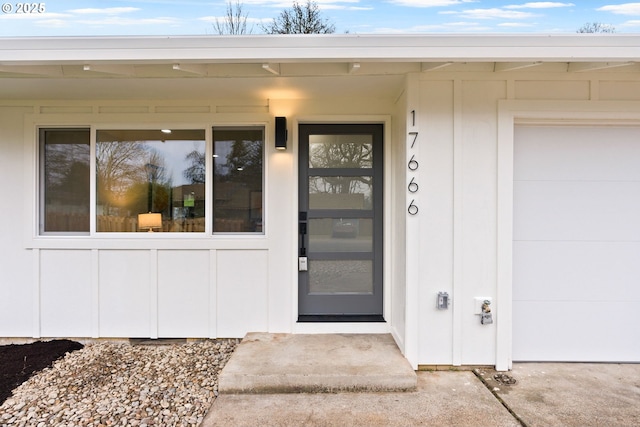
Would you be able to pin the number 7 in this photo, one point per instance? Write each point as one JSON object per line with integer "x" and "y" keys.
{"x": 415, "y": 137}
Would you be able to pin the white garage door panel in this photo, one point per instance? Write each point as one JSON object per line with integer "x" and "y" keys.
{"x": 576, "y": 249}
{"x": 616, "y": 149}
{"x": 560, "y": 210}
{"x": 589, "y": 271}
{"x": 576, "y": 331}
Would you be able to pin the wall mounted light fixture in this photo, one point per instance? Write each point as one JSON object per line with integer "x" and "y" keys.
{"x": 281, "y": 133}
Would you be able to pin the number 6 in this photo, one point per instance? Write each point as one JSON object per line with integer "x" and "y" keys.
{"x": 412, "y": 209}
{"x": 413, "y": 186}
{"x": 413, "y": 164}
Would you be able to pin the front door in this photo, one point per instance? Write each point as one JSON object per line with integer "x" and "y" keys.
{"x": 340, "y": 222}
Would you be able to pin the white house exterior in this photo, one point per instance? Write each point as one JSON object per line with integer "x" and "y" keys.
{"x": 507, "y": 169}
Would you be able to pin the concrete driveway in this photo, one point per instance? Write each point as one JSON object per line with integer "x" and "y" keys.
{"x": 572, "y": 394}
{"x": 544, "y": 394}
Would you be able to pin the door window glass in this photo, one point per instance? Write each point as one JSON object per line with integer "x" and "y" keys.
{"x": 340, "y": 151}
{"x": 341, "y": 235}
{"x": 340, "y": 277}
{"x": 340, "y": 192}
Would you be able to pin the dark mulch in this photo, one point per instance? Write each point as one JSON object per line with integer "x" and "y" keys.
{"x": 18, "y": 362}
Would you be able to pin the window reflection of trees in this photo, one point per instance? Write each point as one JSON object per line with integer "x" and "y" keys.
{"x": 334, "y": 153}
{"x": 196, "y": 172}
{"x": 135, "y": 177}
{"x": 66, "y": 172}
{"x": 341, "y": 152}
{"x": 237, "y": 185}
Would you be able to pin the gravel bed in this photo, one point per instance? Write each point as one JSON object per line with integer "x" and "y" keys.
{"x": 119, "y": 384}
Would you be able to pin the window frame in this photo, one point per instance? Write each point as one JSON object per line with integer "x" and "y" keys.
{"x": 211, "y": 178}
{"x": 94, "y": 187}
{"x": 40, "y": 191}
{"x": 164, "y": 239}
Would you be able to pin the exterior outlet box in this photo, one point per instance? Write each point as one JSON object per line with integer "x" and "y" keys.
{"x": 443, "y": 301}
{"x": 477, "y": 304}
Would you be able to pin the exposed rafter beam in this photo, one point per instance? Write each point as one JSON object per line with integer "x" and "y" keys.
{"x": 432, "y": 66}
{"x": 354, "y": 67}
{"x": 38, "y": 70}
{"x": 272, "y": 68}
{"x": 199, "y": 69}
{"x": 124, "y": 70}
{"x": 578, "y": 67}
{"x": 511, "y": 66}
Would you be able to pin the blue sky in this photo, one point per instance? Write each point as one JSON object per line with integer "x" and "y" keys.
{"x": 196, "y": 17}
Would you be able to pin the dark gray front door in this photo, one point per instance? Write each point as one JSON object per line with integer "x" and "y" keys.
{"x": 340, "y": 222}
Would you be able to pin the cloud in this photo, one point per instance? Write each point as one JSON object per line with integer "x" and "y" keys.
{"x": 515, "y": 25}
{"x": 343, "y": 7}
{"x": 39, "y": 17}
{"x": 622, "y": 9}
{"x": 539, "y": 5}
{"x": 76, "y": 18}
{"x": 124, "y": 22}
{"x": 222, "y": 19}
{"x": 287, "y": 4}
{"x": 632, "y": 23}
{"x": 53, "y": 23}
{"x": 493, "y": 13}
{"x": 458, "y": 27}
{"x": 104, "y": 11}
{"x": 430, "y": 3}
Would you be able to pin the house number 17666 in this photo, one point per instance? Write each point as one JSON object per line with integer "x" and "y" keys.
{"x": 413, "y": 166}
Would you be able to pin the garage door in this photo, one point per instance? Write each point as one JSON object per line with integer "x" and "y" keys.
{"x": 576, "y": 279}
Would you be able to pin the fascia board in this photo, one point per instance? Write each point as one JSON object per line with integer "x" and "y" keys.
{"x": 320, "y": 48}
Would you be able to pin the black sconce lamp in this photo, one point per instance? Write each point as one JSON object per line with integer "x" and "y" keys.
{"x": 281, "y": 133}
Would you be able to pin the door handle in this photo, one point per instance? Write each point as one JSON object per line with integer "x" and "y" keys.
{"x": 302, "y": 230}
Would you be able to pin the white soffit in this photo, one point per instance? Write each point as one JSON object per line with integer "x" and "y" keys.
{"x": 321, "y": 48}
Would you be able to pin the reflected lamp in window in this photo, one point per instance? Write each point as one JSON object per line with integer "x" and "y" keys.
{"x": 64, "y": 181}
{"x": 238, "y": 179}
{"x": 159, "y": 171}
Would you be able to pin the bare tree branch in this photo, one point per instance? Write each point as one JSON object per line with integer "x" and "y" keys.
{"x": 300, "y": 19}
{"x": 234, "y": 22}
{"x": 596, "y": 27}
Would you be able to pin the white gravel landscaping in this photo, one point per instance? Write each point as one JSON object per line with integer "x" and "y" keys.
{"x": 119, "y": 384}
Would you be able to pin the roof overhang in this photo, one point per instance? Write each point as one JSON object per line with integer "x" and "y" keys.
{"x": 321, "y": 48}
{"x": 285, "y": 66}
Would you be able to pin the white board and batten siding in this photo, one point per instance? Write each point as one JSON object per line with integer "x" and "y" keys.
{"x": 152, "y": 293}
{"x": 576, "y": 248}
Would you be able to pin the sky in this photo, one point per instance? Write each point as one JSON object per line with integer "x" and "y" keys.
{"x": 197, "y": 17}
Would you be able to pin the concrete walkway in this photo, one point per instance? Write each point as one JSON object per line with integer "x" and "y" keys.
{"x": 441, "y": 399}
{"x": 544, "y": 394}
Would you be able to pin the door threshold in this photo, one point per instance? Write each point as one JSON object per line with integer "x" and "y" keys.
{"x": 324, "y": 318}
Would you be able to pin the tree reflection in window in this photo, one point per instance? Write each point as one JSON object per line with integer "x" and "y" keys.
{"x": 65, "y": 173}
{"x": 140, "y": 171}
{"x": 341, "y": 191}
{"x": 238, "y": 179}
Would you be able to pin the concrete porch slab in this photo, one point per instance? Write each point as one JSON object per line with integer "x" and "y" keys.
{"x": 286, "y": 363}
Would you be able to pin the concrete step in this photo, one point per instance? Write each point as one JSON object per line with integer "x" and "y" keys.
{"x": 296, "y": 363}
